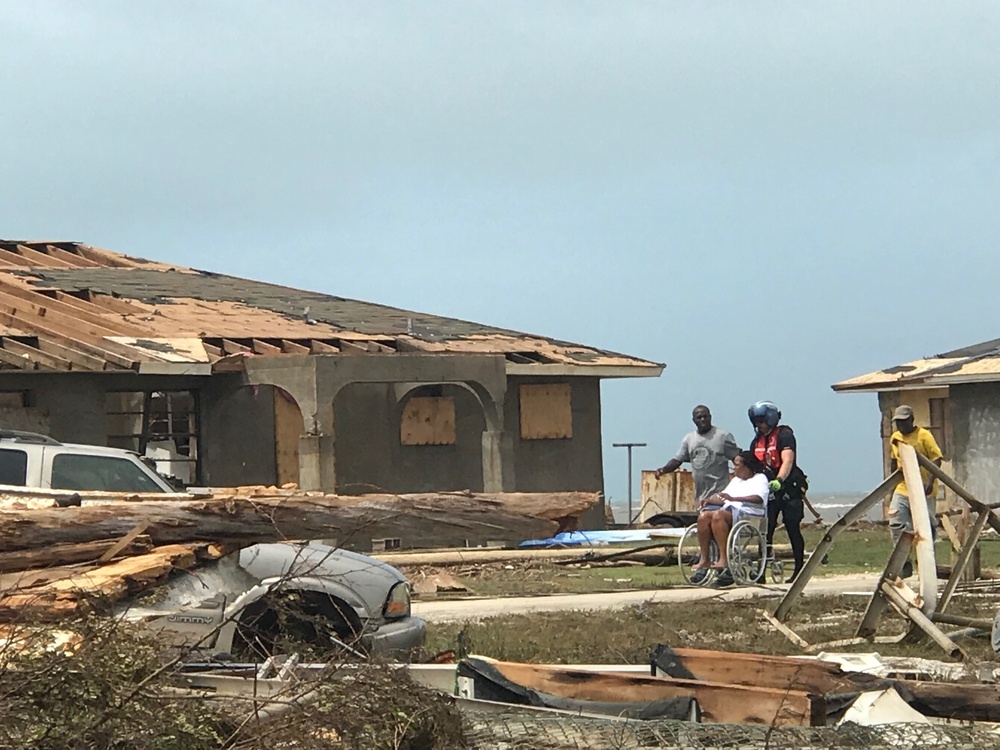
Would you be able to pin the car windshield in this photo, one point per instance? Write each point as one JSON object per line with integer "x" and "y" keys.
{"x": 100, "y": 473}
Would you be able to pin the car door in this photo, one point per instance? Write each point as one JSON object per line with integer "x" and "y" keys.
{"x": 87, "y": 472}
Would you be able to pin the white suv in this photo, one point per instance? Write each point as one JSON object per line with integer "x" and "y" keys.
{"x": 28, "y": 459}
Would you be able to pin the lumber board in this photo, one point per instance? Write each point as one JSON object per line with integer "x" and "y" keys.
{"x": 923, "y": 537}
{"x": 719, "y": 703}
{"x": 766, "y": 671}
{"x": 878, "y": 603}
{"x": 954, "y": 700}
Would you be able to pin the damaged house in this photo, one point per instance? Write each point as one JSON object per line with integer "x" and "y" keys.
{"x": 956, "y": 395}
{"x": 226, "y": 381}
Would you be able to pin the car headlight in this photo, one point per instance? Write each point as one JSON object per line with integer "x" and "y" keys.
{"x": 397, "y": 604}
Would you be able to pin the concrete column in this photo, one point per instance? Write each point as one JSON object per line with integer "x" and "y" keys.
{"x": 317, "y": 465}
{"x": 498, "y": 463}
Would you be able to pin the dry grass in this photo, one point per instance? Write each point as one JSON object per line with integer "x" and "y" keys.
{"x": 629, "y": 635}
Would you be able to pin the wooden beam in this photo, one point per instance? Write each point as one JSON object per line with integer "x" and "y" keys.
{"x": 124, "y": 542}
{"x": 951, "y": 532}
{"x": 13, "y": 259}
{"x": 232, "y": 347}
{"x": 57, "y": 313}
{"x": 906, "y": 603}
{"x": 51, "y": 361}
{"x": 964, "y": 555}
{"x": 878, "y": 602}
{"x": 351, "y": 347}
{"x": 784, "y": 630}
{"x": 107, "y": 350}
{"x": 18, "y": 361}
{"x": 80, "y": 360}
{"x": 76, "y": 261}
{"x": 321, "y": 347}
{"x": 293, "y": 347}
{"x": 816, "y": 558}
{"x": 38, "y": 258}
{"x": 959, "y": 490}
{"x": 923, "y": 536}
{"x": 262, "y": 347}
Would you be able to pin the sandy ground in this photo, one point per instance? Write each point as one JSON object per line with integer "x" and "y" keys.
{"x": 474, "y": 609}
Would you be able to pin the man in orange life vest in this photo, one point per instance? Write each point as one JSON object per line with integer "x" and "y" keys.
{"x": 774, "y": 446}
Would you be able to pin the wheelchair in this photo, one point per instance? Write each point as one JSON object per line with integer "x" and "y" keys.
{"x": 746, "y": 546}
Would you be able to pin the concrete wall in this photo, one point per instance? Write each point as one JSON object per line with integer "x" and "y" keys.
{"x": 975, "y": 412}
{"x": 562, "y": 464}
{"x": 369, "y": 455}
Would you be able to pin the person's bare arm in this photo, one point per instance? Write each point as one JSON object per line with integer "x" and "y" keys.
{"x": 787, "y": 464}
{"x": 672, "y": 465}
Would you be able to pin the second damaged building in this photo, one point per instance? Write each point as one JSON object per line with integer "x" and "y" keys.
{"x": 226, "y": 381}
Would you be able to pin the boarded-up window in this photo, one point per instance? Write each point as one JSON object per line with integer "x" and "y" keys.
{"x": 546, "y": 411}
{"x": 428, "y": 420}
{"x": 939, "y": 426}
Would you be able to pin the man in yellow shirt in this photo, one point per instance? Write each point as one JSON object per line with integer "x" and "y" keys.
{"x": 924, "y": 443}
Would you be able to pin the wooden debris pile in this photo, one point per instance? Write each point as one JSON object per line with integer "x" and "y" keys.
{"x": 720, "y": 687}
{"x": 62, "y": 551}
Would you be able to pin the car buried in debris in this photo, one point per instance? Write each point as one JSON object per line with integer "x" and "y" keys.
{"x": 246, "y": 603}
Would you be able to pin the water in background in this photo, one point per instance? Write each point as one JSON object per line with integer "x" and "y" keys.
{"x": 832, "y": 505}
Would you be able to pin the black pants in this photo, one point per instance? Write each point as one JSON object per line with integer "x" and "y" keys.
{"x": 791, "y": 510}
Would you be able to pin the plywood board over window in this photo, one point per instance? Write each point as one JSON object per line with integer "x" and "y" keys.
{"x": 428, "y": 420}
{"x": 546, "y": 411}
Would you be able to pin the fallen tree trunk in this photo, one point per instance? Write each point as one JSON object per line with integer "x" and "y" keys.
{"x": 433, "y": 519}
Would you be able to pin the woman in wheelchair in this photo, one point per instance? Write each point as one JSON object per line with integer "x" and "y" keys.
{"x": 745, "y": 496}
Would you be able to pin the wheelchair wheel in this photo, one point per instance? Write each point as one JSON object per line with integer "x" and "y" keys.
{"x": 747, "y": 553}
{"x": 688, "y": 553}
{"x": 776, "y": 571}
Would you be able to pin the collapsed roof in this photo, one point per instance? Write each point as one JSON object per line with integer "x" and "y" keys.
{"x": 67, "y": 306}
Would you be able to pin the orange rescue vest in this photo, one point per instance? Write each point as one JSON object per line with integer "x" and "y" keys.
{"x": 765, "y": 448}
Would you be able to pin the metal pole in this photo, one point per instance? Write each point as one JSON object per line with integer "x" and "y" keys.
{"x": 629, "y": 447}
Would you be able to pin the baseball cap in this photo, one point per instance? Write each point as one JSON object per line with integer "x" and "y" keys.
{"x": 902, "y": 412}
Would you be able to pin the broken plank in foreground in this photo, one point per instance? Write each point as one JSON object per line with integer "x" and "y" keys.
{"x": 719, "y": 703}
{"x": 429, "y": 519}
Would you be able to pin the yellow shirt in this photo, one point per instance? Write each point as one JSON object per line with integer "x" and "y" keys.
{"x": 924, "y": 443}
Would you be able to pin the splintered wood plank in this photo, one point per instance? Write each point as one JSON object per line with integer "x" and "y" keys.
{"x": 101, "y": 585}
{"x": 719, "y": 703}
{"x": 962, "y": 560}
{"x": 69, "y": 554}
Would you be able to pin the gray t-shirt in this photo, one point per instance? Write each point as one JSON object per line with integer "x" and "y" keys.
{"x": 709, "y": 455}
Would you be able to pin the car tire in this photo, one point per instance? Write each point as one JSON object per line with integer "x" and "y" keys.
{"x": 291, "y": 621}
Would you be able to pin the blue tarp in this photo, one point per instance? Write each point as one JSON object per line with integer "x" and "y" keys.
{"x": 603, "y": 538}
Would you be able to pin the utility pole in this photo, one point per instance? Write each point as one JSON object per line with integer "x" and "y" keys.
{"x": 629, "y": 447}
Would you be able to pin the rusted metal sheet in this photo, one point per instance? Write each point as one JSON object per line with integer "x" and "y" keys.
{"x": 671, "y": 493}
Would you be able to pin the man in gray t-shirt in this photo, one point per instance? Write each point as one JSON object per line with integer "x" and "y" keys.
{"x": 709, "y": 450}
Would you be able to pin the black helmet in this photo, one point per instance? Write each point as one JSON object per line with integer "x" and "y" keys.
{"x": 764, "y": 410}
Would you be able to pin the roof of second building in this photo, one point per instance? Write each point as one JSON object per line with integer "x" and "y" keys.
{"x": 70, "y": 306}
{"x": 970, "y": 364}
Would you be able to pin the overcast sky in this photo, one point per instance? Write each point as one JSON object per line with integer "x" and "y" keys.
{"x": 768, "y": 197}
